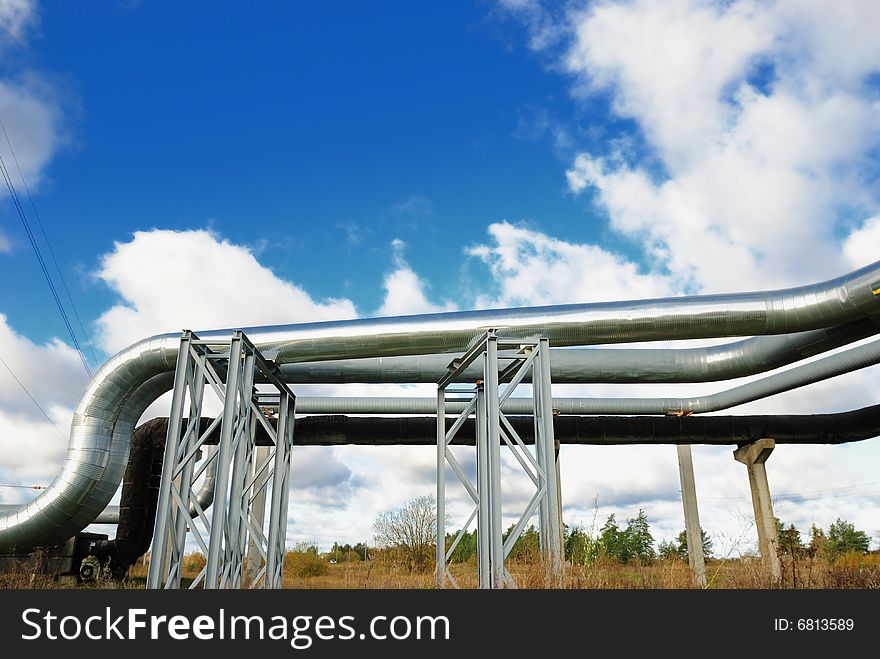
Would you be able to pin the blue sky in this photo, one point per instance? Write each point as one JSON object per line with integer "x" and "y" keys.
{"x": 318, "y": 133}
{"x": 215, "y": 164}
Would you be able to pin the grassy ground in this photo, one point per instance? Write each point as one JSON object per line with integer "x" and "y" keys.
{"x": 852, "y": 571}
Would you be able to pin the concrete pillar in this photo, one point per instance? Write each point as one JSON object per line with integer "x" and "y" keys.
{"x": 691, "y": 515}
{"x": 753, "y": 456}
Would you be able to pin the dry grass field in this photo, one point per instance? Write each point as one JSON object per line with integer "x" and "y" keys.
{"x": 851, "y": 571}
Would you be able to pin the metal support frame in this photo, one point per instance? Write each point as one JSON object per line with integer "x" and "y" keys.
{"x": 244, "y": 549}
{"x": 492, "y": 428}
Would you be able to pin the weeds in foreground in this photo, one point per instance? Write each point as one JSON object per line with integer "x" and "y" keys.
{"x": 850, "y": 571}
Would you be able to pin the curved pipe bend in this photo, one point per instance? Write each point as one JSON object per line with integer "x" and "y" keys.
{"x": 123, "y": 388}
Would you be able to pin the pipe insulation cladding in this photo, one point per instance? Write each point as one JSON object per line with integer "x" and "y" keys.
{"x": 602, "y": 365}
{"x": 798, "y": 376}
{"x": 837, "y": 428}
{"x": 126, "y": 385}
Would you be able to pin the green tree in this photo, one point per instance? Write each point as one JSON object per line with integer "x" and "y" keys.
{"x": 342, "y": 553}
{"x": 633, "y": 542}
{"x": 678, "y": 548}
{"x": 361, "y": 550}
{"x": 668, "y": 549}
{"x": 790, "y": 541}
{"x": 581, "y": 548}
{"x": 843, "y": 537}
{"x": 612, "y": 541}
{"x": 466, "y": 547}
{"x": 639, "y": 539}
{"x": 527, "y": 546}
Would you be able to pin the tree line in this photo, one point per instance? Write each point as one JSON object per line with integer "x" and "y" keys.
{"x": 408, "y": 535}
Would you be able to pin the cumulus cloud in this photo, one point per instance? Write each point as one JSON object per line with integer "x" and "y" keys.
{"x": 171, "y": 280}
{"x": 405, "y": 292}
{"x": 543, "y": 29}
{"x": 31, "y": 447}
{"x": 30, "y": 108}
{"x": 320, "y": 478}
{"x": 529, "y": 267}
{"x": 16, "y": 16}
{"x": 52, "y": 372}
{"x": 757, "y": 131}
{"x": 861, "y": 245}
{"x": 30, "y": 105}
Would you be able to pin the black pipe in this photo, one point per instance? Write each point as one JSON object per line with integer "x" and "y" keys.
{"x": 340, "y": 429}
{"x": 837, "y": 428}
{"x": 137, "y": 504}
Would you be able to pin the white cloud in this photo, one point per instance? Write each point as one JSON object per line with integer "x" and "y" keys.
{"x": 755, "y": 173}
{"x": 31, "y": 448}
{"x": 531, "y": 268}
{"x": 405, "y": 292}
{"x": 543, "y": 30}
{"x": 30, "y": 106}
{"x": 668, "y": 63}
{"x": 15, "y": 17}
{"x": 31, "y": 451}
{"x": 30, "y": 109}
{"x": 172, "y": 280}
{"x": 52, "y": 372}
{"x": 862, "y": 245}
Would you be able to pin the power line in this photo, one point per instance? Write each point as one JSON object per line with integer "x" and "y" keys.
{"x": 21, "y": 214}
{"x": 48, "y": 243}
{"x": 835, "y": 492}
{"x": 26, "y": 487}
{"x": 33, "y": 400}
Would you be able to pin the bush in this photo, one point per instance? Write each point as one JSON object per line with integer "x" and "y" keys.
{"x": 304, "y": 564}
{"x": 194, "y": 562}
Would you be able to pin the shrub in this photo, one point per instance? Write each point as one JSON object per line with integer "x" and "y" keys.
{"x": 194, "y": 562}
{"x": 304, "y": 564}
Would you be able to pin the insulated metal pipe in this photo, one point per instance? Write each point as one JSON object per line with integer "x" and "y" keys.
{"x": 836, "y": 428}
{"x": 594, "y": 365}
{"x": 118, "y": 395}
{"x": 793, "y": 378}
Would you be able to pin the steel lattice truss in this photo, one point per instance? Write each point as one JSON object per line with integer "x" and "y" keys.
{"x": 244, "y": 549}
{"x": 493, "y": 428}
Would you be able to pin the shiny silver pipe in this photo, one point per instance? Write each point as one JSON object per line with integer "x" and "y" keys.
{"x": 132, "y": 379}
{"x": 204, "y": 495}
{"x": 793, "y": 378}
{"x": 602, "y": 365}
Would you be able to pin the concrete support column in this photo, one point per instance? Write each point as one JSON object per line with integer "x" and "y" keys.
{"x": 753, "y": 456}
{"x": 691, "y": 515}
